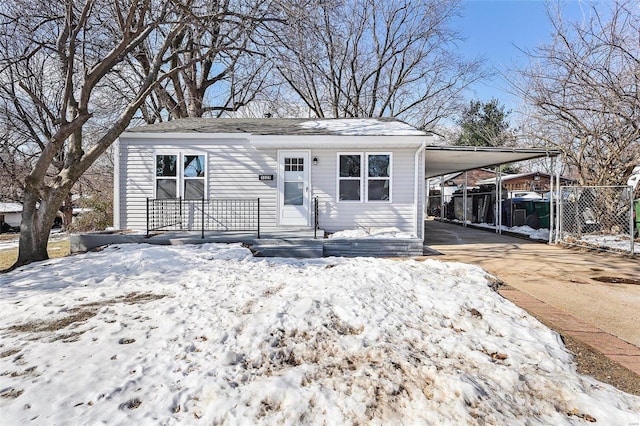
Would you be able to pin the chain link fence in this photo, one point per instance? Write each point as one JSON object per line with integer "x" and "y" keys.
{"x": 598, "y": 217}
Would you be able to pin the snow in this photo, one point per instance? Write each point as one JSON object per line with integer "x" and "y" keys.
{"x": 614, "y": 242}
{"x": 10, "y": 208}
{"x": 363, "y": 127}
{"x": 371, "y": 233}
{"x": 535, "y": 234}
{"x": 208, "y": 334}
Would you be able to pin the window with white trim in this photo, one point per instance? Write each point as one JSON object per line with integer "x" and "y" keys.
{"x": 166, "y": 176}
{"x": 364, "y": 176}
{"x": 193, "y": 177}
{"x": 180, "y": 175}
{"x": 378, "y": 177}
{"x": 349, "y": 177}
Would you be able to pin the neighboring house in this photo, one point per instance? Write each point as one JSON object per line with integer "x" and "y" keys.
{"x": 338, "y": 174}
{"x": 11, "y": 214}
{"x": 452, "y": 182}
{"x": 532, "y": 181}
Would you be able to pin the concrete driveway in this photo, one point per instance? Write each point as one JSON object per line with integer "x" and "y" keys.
{"x": 560, "y": 277}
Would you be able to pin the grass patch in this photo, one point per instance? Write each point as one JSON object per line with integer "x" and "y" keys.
{"x": 57, "y": 248}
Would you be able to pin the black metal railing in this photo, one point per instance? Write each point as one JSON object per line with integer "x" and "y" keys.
{"x": 316, "y": 223}
{"x": 222, "y": 215}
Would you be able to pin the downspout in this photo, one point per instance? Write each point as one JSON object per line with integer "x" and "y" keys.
{"x": 419, "y": 211}
{"x": 116, "y": 186}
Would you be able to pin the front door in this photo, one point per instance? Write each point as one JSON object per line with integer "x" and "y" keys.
{"x": 293, "y": 187}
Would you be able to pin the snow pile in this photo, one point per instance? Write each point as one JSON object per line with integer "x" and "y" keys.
{"x": 371, "y": 233}
{"x": 208, "y": 334}
{"x": 534, "y": 234}
{"x": 615, "y": 242}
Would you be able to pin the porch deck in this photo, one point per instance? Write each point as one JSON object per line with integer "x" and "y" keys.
{"x": 293, "y": 243}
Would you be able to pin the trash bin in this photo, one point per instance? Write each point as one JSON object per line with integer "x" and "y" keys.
{"x": 543, "y": 210}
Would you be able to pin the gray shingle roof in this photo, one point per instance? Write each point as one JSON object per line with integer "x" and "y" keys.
{"x": 284, "y": 126}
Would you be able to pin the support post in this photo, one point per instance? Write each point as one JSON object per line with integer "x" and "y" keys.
{"x": 559, "y": 202}
{"x": 631, "y": 239}
{"x": 464, "y": 201}
{"x": 442, "y": 198}
{"x": 551, "y": 199}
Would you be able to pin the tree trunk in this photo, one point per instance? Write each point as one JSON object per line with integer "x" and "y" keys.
{"x": 37, "y": 221}
{"x": 67, "y": 212}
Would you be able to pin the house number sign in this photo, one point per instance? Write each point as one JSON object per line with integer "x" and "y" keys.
{"x": 265, "y": 177}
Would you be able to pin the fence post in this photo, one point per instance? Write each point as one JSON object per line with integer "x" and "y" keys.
{"x": 630, "y": 192}
{"x": 202, "y": 214}
{"x": 258, "y": 217}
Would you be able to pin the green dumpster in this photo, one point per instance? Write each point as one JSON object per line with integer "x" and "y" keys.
{"x": 543, "y": 210}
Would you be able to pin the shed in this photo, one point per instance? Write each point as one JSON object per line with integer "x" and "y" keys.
{"x": 11, "y": 214}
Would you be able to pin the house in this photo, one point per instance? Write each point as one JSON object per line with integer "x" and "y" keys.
{"x": 516, "y": 184}
{"x": 447, "y": 184}
{"x": 277, "y": 178}
{"x": 10, "y": 215}
{"x": 271, "y": 175}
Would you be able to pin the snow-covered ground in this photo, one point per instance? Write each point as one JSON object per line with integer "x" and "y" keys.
{"x": 615, "y": 242}
{"x": 371, "y": 233}
{"x": 207, "y": 334}
{"x": 535, "y": 234}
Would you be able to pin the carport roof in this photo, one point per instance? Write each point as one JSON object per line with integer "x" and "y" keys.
{"x": 441, "y": 160}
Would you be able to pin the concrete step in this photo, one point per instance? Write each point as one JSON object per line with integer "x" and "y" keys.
{"x": 307, "y": 249}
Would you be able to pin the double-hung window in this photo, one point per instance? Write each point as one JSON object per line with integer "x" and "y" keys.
{"x": 166, "y": 176}
{"x": 193, "y": 177}
{"x": 350, "y": 177}
{"x": 364, "y": 177}
{"x": 180, "y": 175}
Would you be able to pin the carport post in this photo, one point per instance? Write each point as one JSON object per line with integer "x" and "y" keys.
{"x": 464, "y": 200}
{"x": 632, "y": 242}
{"x": 442, "y": 197}
{"x": 498, "y": 218}
{"x": 551, "y": 198}
{"x": 558, "y": 202}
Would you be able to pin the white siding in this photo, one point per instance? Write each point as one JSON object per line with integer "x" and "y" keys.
{"x": 233, "y": 168}
{"x": 336, "y": 216}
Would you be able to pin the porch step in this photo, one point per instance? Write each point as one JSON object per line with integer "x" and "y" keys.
{"x": 374, "y": 247}
{"x": 307, "y": 249}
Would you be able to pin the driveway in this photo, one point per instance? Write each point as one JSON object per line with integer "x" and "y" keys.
{"x": 560, "y": 277}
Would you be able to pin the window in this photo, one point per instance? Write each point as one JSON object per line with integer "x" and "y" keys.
{"x": 379, "y": 177}
{"x": 355, "y": 178}
{"x": 293, "y": 186}
{"x": 166, "y": 176}
{"x": 185, "y": 179}
{"x": 349, "y": 180}
{"x": 193, "y": 176}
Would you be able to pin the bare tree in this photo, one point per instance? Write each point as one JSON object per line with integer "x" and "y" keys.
{"x": 582, "y": 89}
{"x": 227, "y": 64}
{"x": 369, "y": 58}
{"x": 55, "y": 59}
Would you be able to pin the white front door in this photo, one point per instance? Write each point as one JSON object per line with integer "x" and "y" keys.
{"x": 293, "y": 187}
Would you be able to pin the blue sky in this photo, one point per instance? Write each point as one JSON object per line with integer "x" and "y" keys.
{"x": 495, "y": 29}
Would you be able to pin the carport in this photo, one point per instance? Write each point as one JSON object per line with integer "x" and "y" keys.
{"x": 442, "y": 160}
